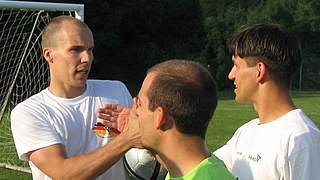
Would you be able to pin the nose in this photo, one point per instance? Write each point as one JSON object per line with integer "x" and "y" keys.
{"x": 231, "y": 75}
{"x": 86, "y": 56}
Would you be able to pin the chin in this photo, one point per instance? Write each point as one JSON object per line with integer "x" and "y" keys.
{"x": 238, "y": 99}
{"x": 82, "y": 82}
{"x": 80, "y": 85}
{"x": 241, "y": 100}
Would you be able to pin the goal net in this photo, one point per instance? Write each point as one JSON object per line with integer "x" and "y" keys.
{"x": 23, "y": 71}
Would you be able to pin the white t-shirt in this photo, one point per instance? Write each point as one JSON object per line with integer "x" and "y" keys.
{"x": 44, "y": 119}
{"x": 287, "y": 148}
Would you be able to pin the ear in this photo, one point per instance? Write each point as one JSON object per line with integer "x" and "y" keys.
{"x": 48, "y": 54}
{"x": 261, "y": 71}
{"x": 161, "y": 117}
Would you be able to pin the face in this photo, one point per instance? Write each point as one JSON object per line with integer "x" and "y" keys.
{"x": 244, "y": 78}
{"x": 145, "y": 115}
{"x": 71, "y": 57}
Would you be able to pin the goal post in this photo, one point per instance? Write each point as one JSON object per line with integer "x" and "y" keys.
{"x": 23, "y": 70}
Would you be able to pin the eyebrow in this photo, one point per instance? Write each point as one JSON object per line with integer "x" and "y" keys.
{"x": 80, "y": 47}
{"x": 76, "y": 47}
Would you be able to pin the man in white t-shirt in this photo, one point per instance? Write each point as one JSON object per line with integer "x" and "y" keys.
{"x": 282, "y": 143}
{"x": 54, "y": 130}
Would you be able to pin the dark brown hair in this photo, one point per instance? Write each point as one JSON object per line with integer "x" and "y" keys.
{"x": 187, "y": 91}
{"x": 271, "y": 44}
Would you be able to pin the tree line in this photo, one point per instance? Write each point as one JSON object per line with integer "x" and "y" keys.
{"x": 132, "y": 35}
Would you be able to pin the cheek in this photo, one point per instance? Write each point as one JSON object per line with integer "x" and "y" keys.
{"x": 145, "y": 118}
{"x": 141, "y": 113}
{"x": 245, "y": 75}
{"x": 247, "y": 82}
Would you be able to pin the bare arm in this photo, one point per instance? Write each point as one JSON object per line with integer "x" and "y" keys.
{"x": 52, "y": 160}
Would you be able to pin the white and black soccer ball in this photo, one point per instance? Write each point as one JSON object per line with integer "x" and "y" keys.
{"x": 140, "y": 164}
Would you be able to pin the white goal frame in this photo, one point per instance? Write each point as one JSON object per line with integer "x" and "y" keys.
{"x": 48, "y": 6}
{"x": 77, "y": 9}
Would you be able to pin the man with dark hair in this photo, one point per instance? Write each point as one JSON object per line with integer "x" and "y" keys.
{"x": 282, "y": 143}
{"x": 52, "y": 130}
{"x": 188, "y": 93}
{"x": 174, "y": 107}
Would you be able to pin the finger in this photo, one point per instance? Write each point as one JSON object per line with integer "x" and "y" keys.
{"x": 119, "y": 108}
{"x": 107, "y": 116}
{"x": 105, "y": 110}
{"x": 109, "y": 123}
{"x": 109, "y": 107}
{"x": 103, "y": 116}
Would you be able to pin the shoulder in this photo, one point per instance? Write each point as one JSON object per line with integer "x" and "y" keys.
{"x": 304, "y": 121}
{"x": 297, "y": 119}
{"x": 297, "y": 123}
{"x": 107, "y": 87}
{"x": 216, "y": 168}
{"x": 33, "y": 103}
{"x": 215, "y": 160}
{"x": 248, "y": 126}
{"x": 294, "y": 130}
{"x": 34, "y": 109}
{"x": 111, "y": 91}
{"x": 106, "y": 83}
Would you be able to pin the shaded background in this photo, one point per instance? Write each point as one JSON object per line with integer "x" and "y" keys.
{"x": 132, "y": 35}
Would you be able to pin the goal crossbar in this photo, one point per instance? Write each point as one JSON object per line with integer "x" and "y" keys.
{"x": 48, "y": 6}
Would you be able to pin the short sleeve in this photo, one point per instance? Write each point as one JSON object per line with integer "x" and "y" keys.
{"x": 31, "y": 129}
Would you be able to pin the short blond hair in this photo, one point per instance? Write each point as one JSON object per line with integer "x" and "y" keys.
{"x": 54, "y": 27}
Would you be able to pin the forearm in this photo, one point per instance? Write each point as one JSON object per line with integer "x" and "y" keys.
{"x": 53, "y": 161}
{"x": 91, "y": 165}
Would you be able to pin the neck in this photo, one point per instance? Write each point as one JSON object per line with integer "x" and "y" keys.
{"x": 184, "y": 154}
{"x": 66, "y": 91}
{"x": 273, "y": 103}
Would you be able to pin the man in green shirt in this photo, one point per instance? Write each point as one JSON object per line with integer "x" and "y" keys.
{"x": 173, "y": 108}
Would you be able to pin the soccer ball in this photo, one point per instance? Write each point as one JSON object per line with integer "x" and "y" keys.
{"x": 140, "y": 164}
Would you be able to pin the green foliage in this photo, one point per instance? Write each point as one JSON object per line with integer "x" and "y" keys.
{"x": 222, "y": 18}
{"x": 307, "y": 15}
{"x": 271, "y": 11}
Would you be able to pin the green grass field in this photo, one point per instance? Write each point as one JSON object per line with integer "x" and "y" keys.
{"x": 227, "y": 118}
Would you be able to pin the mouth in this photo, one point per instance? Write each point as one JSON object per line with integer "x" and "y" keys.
{"x": 83, "y": 71}
{"x": 82, "y": 74}
{"x": 235, "y": 87}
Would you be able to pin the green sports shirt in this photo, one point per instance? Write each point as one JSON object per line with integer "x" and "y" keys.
{"x": 209, "y": 169}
